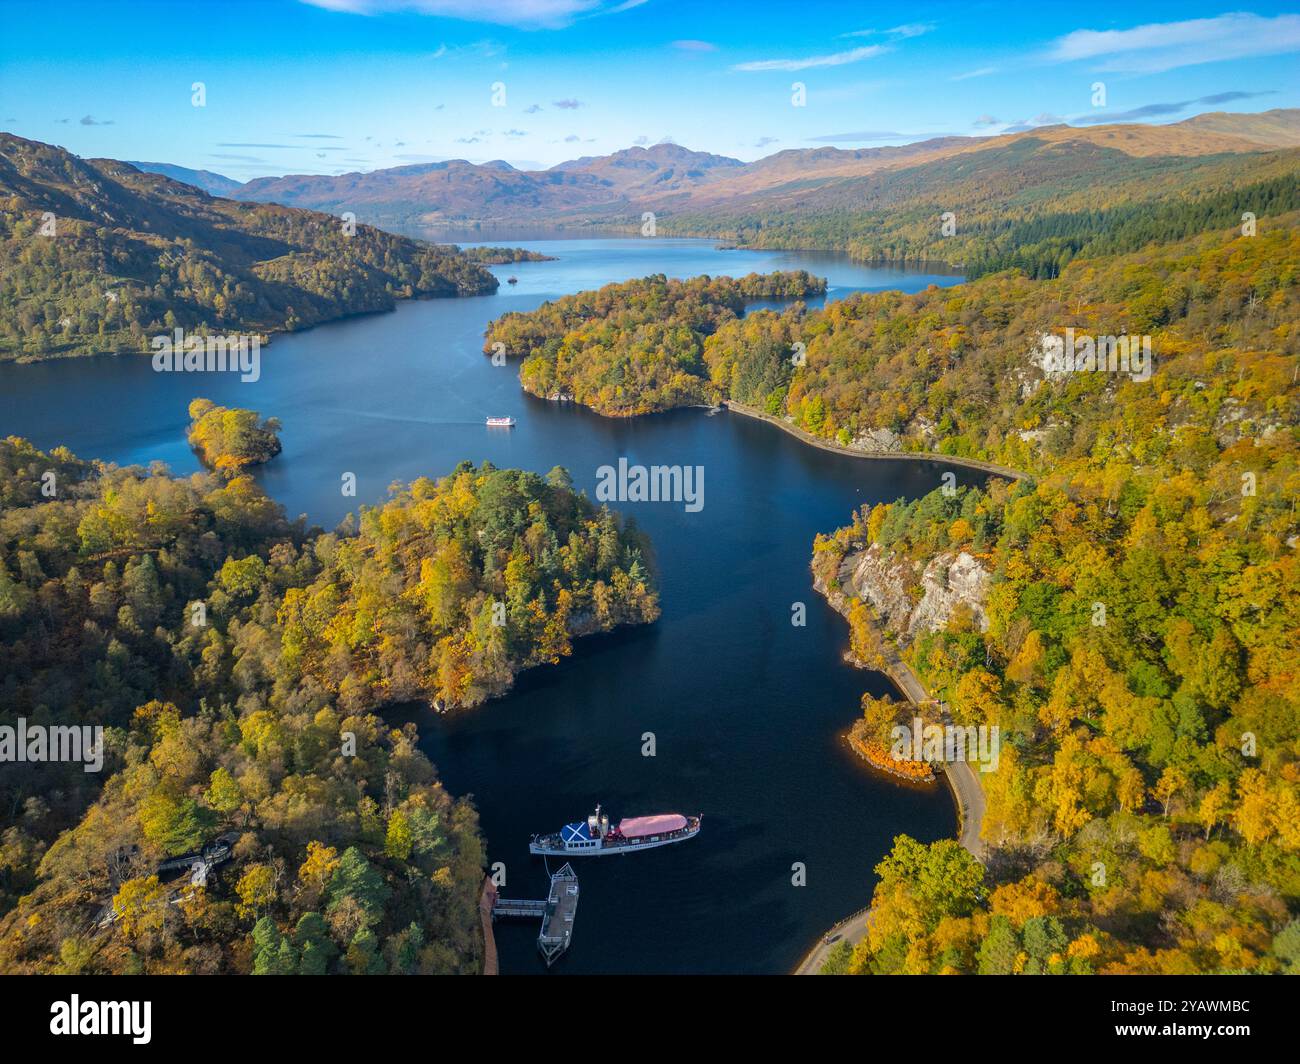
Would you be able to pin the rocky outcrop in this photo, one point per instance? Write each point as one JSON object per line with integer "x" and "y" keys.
{"x": 878, "y": 441}
{"x": 910, "y": 598}
{"x": 1236, "y": 421}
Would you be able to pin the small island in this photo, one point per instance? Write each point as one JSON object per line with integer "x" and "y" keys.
{"x": 485, "y": 256}
{"x": 228, "y": 439}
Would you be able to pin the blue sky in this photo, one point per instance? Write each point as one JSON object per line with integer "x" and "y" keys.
{"x": 337, "y": 85}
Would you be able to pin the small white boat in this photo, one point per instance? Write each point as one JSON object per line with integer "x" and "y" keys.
{"x": 501, "y": 422}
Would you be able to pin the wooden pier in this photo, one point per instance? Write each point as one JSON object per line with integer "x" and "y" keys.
{"x": 557, "y": 913}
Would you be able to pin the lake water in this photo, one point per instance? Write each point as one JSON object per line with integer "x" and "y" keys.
{"x": 746, "y": 710}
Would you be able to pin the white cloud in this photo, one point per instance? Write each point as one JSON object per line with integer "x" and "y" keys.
{"x": 854, "y": 55}
{"x": 911, "y": 29}
{"x": 1167, "y": 45}
{"x": 982, "y": 72}
{"x": 898, "y": 33}
{"x": 852, "y": 138}
{"x": 500, "y": 12}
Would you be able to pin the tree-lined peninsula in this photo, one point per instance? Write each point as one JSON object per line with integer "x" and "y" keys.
{"x": 635, "y": 347}
{"x": 239, "y": 661}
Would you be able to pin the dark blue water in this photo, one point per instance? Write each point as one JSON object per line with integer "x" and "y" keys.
{"x": 746, "y": 710}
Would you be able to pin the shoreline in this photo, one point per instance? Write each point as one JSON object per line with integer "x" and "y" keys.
{"x": 913, "y": 456}
{"x": 960, "y": 779}
{"x": 264, "y": 335}
{"x": 963, "y": 784}
{"x": 881, "y": 764}
{"x": 486, "y": 900}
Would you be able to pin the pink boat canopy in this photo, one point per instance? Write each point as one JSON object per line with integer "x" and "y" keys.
{"x": 636, "y": 827}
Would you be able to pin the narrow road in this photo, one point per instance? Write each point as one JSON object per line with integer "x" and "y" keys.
{"x": 851, "y": 929}
{"x": 904, "y": 456}
{"x": 966, "y": 791}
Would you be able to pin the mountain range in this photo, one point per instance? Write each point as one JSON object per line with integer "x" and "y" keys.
{"x": 675, "y": 181}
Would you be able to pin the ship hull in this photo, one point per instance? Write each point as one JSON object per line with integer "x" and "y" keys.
{"x": 552, "y": 846}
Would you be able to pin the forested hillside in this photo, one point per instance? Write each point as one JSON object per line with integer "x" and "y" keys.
{"x": 235, "y": 661}
{"x": 1138, "y": 642}
{"x": 453, "y": 587}
{"x": 96, "y": 256}
{"x": 635, "y": 347}
{"x": 1139, "y": 657}
{"x": 949, "y": 371}
{"x": 1033, "y": 202}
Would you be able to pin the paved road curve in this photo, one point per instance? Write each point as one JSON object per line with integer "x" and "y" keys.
{"x": 963, "y": 780}
{"x": 967, "y": 793}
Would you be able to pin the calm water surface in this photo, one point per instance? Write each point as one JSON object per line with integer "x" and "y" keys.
{"x": 746, "y": 710}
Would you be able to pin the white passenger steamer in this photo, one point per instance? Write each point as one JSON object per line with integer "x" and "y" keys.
{"x": 598, "y": 836}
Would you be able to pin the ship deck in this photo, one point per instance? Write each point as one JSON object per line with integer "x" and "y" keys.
{"x": 554, "y": 843}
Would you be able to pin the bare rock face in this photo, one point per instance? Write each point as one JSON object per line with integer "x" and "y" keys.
{"x": 910, "y": 599}
{"x": 878, "y": 441}
{"x": 882, "y": 582}
{"x": 949, "y": 580}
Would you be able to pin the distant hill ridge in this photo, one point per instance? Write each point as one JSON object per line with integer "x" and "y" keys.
{"x": 211, "y": 183}
{"x": 674, "y": 179}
